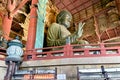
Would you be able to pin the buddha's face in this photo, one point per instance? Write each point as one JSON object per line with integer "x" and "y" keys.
{"x": 66, "y": 21}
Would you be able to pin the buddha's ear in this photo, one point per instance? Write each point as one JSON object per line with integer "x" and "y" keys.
{"x": 60, "y": 21}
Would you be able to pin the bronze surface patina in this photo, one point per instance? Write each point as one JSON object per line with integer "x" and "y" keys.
{"x": 58, "y": 33}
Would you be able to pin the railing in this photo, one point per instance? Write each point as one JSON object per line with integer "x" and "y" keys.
{"x": 73, "y": 51}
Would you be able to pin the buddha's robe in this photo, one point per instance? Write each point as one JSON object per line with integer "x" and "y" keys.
{"x": 57, "y": 35}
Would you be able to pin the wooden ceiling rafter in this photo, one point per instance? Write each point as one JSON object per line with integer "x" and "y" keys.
{"x": 94, "y": 14}
{"x": 112, "y": 33}
{"x": 97, "y": 14}
{"x": 83, "y": 3}
{"x": 64, "y": 5}
{"x": 17, "y": 28}
{"x": 111, "y": 39}
{"x": 16, "y": 33}
{"x": 73, "y": 1}
{"x": 91, "y": 39}
{"x": 57, "y": 3}
{"x": 107, "y": 34}
{"x": 76, "y": 8}
{"x": 84, "y": 6}
{"x": 23, "y": 2}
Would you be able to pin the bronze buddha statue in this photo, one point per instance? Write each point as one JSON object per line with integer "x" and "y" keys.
{"x": 58, "y": 32}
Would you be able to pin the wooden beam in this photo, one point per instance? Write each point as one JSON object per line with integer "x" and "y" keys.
{"x": 84, "y": 6}
{"x": 97, "y": 29}
{"x": 112, "y": 39}
{"x": 107, "y": 34}
{"x": 23, "y": 2}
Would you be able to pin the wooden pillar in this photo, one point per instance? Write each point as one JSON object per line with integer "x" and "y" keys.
{"x": 6, "y": 26}
{"x": 97, "y": 29}
{"x": 32, "y": 26}
{"x": 8, "y": 17}
{"x": 40, "y": 24}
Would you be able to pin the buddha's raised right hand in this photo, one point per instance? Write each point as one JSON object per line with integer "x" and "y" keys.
{"x": 80, "y": 29}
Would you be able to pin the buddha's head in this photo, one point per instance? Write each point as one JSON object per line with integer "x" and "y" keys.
{"x": 64, "y": 18}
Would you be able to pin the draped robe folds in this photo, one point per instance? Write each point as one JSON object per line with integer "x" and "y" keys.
{"x": 57, "y": 35}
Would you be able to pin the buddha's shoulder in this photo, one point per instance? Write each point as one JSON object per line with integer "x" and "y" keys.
{"x": 55, "y": 24}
